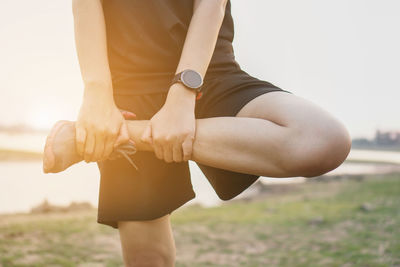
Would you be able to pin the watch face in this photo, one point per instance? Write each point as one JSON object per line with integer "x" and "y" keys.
{"x": 191, "y": 78}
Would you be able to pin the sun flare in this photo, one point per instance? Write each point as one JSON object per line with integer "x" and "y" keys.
{"x": 42, "y": 118}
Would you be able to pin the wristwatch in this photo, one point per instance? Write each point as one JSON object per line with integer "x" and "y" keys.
{"x": 191, "y": 79}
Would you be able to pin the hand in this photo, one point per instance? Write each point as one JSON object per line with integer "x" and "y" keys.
{"x": 171, "y": 131}
{"x": 100, "y": 128}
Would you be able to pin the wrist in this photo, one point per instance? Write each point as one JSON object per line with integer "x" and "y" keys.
{"x": 180, "y": 90}
{"x": 191, "y": 80}
{"x": 178, "y": 93}
{"x": 99, "y": 91}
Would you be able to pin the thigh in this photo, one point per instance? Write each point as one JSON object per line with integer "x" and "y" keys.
{"x": 292, "y": 111}
{"x": 147, "y": 241}
{"x": 318, "y": 141}
{"x": 226, "y": 95}
{"x": 239, "y": 94}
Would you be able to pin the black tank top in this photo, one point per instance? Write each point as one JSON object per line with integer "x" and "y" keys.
{"x": 145, "y": 40}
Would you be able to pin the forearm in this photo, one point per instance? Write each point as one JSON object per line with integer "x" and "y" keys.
{"x": 90, "y": 40}
{"x": 201, "y": 38}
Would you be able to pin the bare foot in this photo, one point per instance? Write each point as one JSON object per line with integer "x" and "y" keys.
{"x": 60, "y": 149}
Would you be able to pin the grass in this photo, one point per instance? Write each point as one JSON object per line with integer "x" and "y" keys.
{"x": 335, "y": 223}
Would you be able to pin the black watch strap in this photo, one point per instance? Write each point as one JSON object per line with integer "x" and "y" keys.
{"x": 178, "y": 79}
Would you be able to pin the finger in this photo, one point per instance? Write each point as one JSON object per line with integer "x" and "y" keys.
{"x": 89, "y": 147}
{"x": 99, "y": 147}
{"x": 147, "y": 134}
{"x": 80, "y": 139}
{"x": 168, "y": 153}
{"x": 177, "y": 153}
{"x": 108, "y": 146}
{"x": 128, "y": 115}
{"x": 187, "y": 148}
{"x": 158, "y": 150}
{"x": 123, "y": 136}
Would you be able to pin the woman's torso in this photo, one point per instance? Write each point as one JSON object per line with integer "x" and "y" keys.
{"x": 145, "y": 39}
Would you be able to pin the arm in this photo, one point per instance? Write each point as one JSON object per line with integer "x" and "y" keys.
{"x": 200, "y": 42}
{"x": 201, "y": 37}
{"x": 90, "y": 40}
{"x": 171, "y": 130}
{"x": 100, "y": 125}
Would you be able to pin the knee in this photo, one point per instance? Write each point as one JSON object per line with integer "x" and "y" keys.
{"x": 147, "y": 243}
{"x": 321, "y": 150}
{"x": 149, "y": 257}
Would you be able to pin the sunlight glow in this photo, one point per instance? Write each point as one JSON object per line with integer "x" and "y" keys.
{"x": 42, "y": 118}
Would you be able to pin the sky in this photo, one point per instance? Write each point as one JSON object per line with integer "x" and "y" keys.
{"x": 342, "y": 55}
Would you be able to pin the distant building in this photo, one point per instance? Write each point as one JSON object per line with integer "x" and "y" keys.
{"x": 382, "y": 140}
{"x": 390, "y": 138}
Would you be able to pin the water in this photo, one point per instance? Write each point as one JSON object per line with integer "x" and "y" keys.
{"x": 375, "y": 155}
{"x": 23, "y": 184}
{"x": 25, "y": 142}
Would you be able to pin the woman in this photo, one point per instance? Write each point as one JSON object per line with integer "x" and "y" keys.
{"x": 151, "y": 58}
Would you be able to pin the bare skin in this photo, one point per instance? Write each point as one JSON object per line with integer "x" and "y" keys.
{"x": 264, "y": 139}
{"x": 151, "y": 241}
{"x": 276, "y": 134}
{"x": 100, "y": 126}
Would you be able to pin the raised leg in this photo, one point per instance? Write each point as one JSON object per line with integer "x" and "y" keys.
{"x": 147, "y": 243}
{"x": 276, "y": 134}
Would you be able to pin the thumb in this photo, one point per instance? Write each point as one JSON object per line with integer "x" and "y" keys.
{"x": 146, "y": 136}
{"x": 123, "y": 136}
{"x": 127, "y": 114}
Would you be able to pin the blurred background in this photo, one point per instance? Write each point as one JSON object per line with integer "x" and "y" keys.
{"x": 342, "y": 55}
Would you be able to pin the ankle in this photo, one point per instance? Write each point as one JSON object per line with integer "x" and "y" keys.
{"x": 136, "y": 129}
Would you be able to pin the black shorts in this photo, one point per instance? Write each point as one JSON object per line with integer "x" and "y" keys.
{"x": 157, "y": 188}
